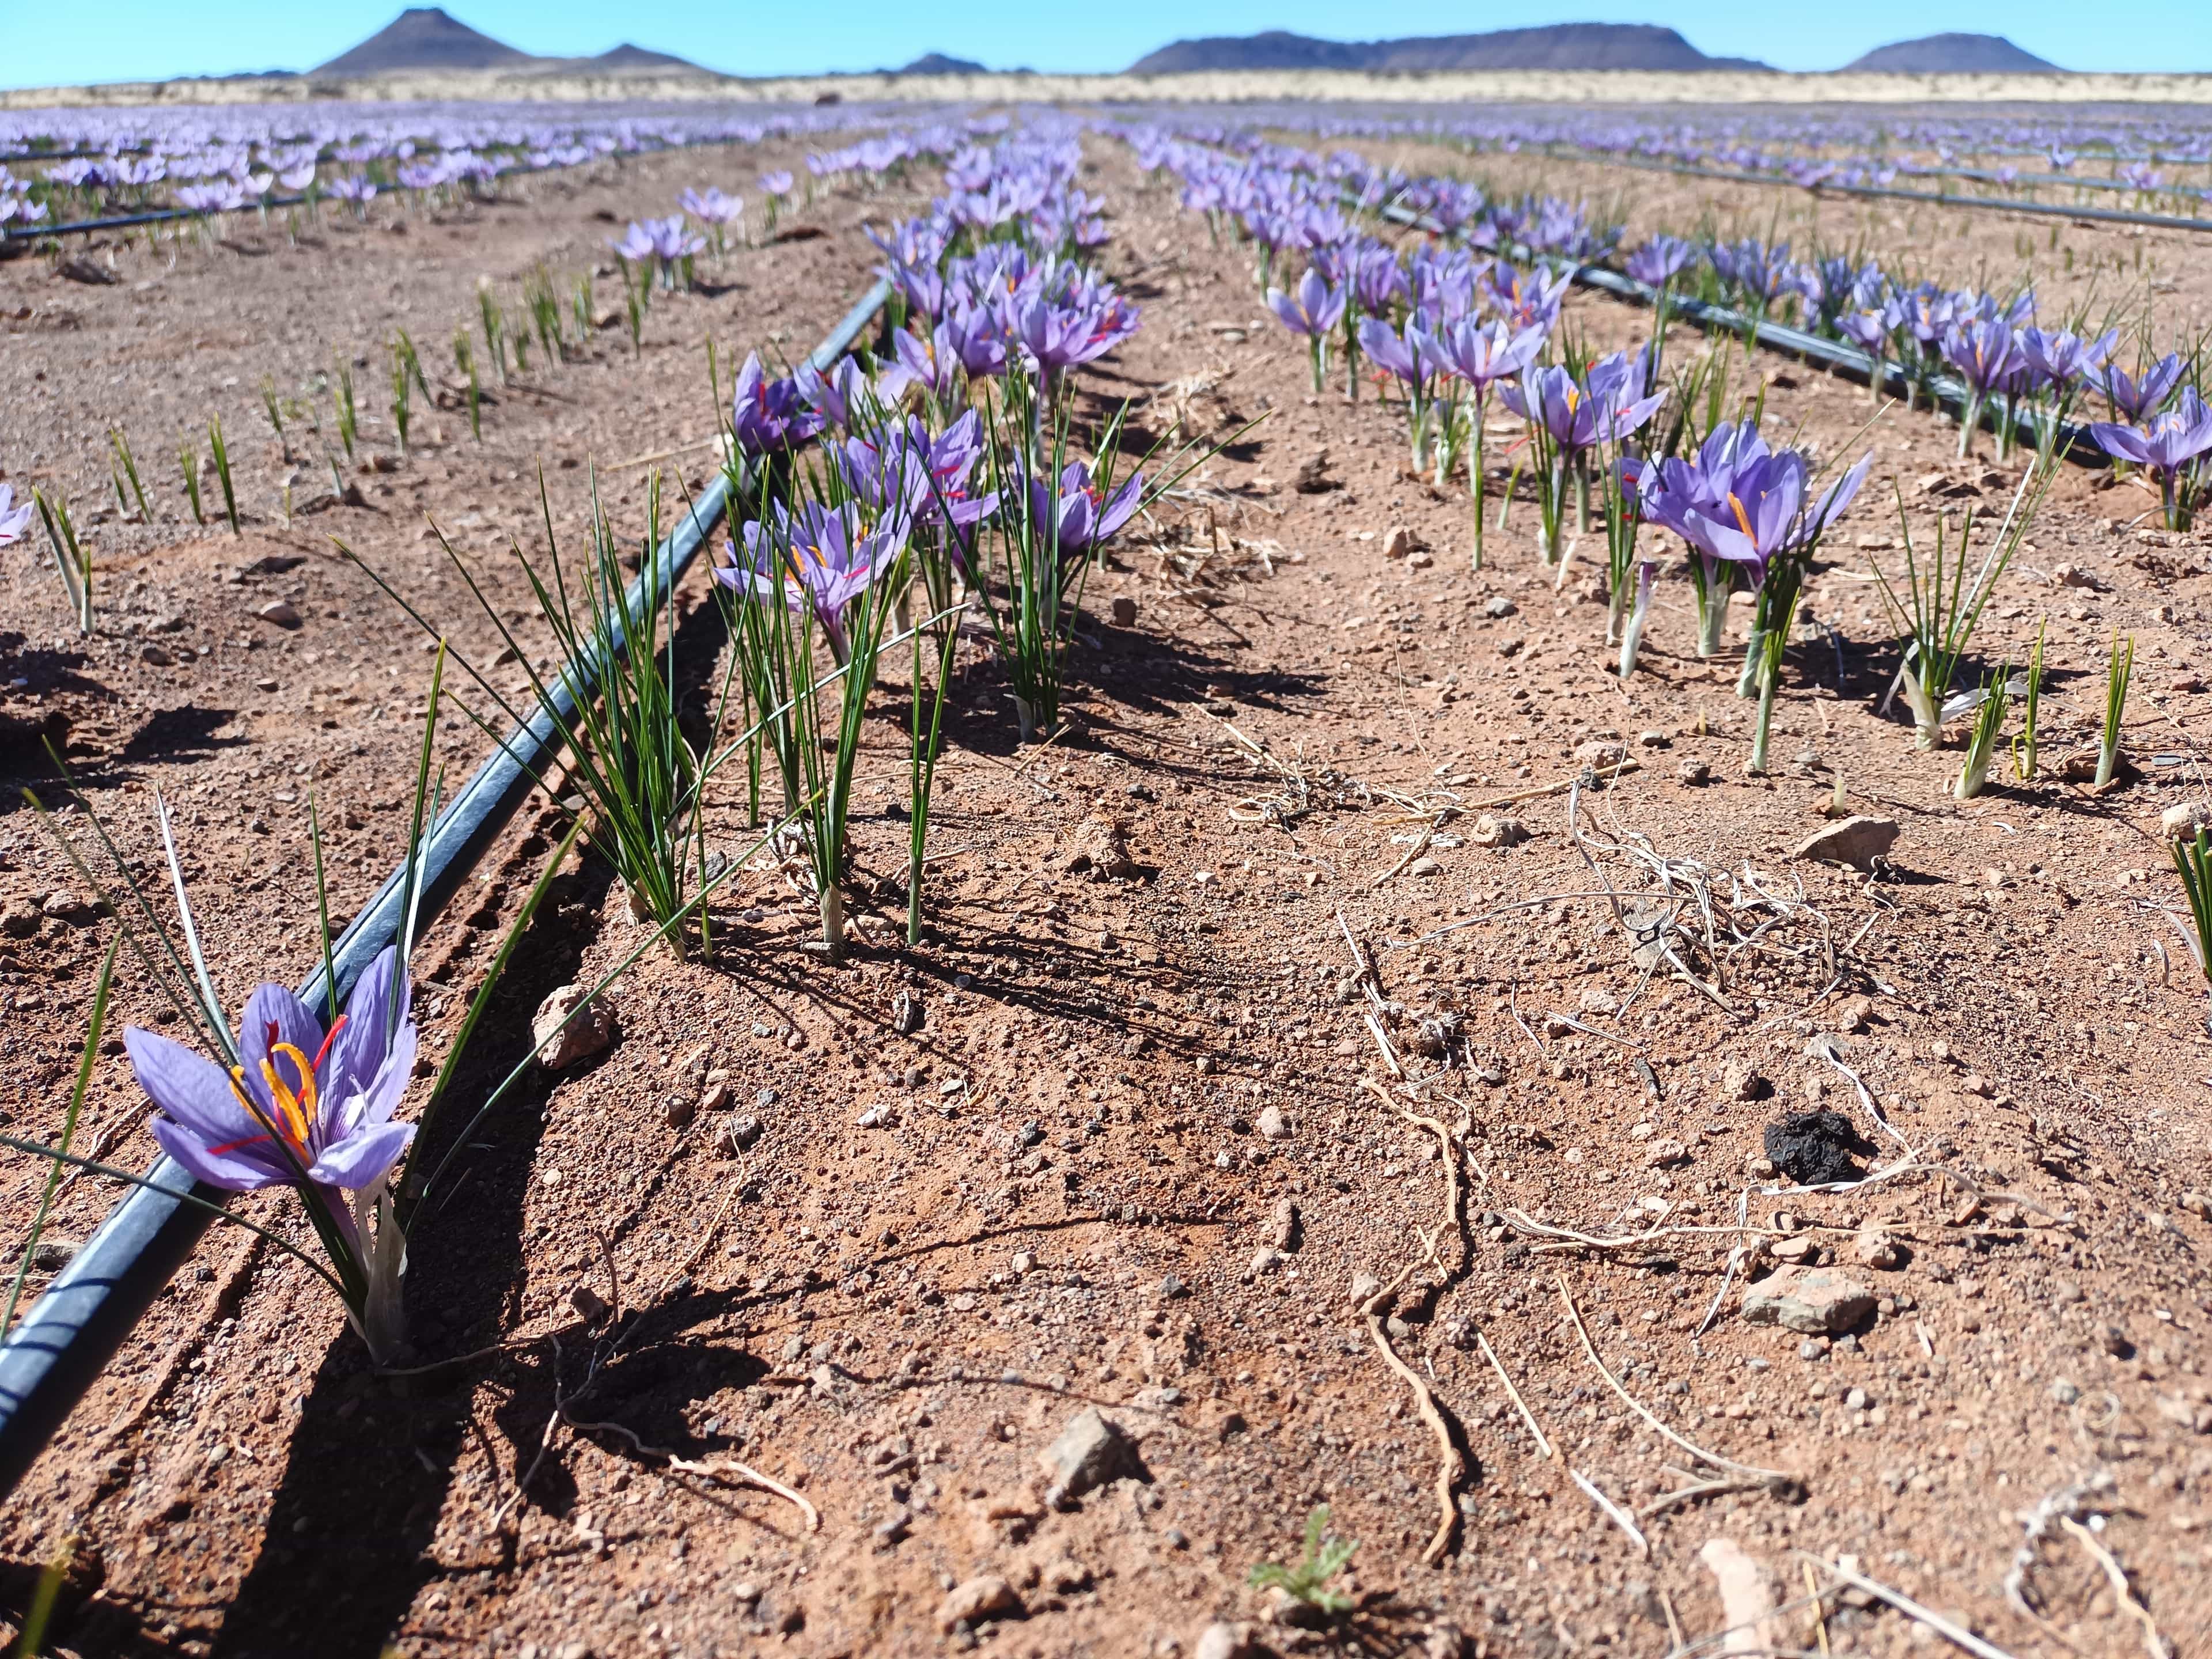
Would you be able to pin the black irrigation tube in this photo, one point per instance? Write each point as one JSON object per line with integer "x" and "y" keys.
{"x": 2073, "y": 441}
{"x": 76, "y": 1327}
{"x": 2046, "y": 209}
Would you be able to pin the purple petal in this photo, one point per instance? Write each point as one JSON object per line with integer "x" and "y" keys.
{"x": 363, "y": 1159}
{"x": 237, "y": 1170}
{"x": 357, "y": 1051}
{"x": 374, "y": 1100}
{"x": 190, "y": 1087}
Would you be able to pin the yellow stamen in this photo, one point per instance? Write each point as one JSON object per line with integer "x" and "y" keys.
{"x": 1742, "y": 517}
{"x": 297, "y": 1110}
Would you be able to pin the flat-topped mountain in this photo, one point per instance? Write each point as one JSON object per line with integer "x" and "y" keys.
{"x": 1556, "y": 46}
{"x": 1951, "y": 54}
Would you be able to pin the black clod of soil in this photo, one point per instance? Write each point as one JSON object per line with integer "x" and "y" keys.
{"x": 1815, "y": 1148}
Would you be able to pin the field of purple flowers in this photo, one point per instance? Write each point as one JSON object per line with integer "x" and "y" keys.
{"x": 906, "y": 1046}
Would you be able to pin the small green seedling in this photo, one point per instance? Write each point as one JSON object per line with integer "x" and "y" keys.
{"x": 349, "y": 417}
{"x": 129, "y": 463}
{"x": 188, "y": 458}
{"x": 466, "y": 361}
{"x": 2118, "y": 672}
{"x": 2193, "y": 859}
{"x": 1308, "y": 1581}
{"x": 220, "y": 452}
{"x": 71, "y": 558}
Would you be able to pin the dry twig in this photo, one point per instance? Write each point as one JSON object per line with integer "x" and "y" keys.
{"x": 2116, "y": 1576}
{"x": 1912, "y": 1609}
{"x": 1574, "y": 1314}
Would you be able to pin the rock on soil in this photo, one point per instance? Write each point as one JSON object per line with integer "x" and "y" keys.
{"x": 1489, "y": 831}
{"x": 1811, "y": 1301}
{"x": 1224, "y": 1641}
{"x": 1857, "y": 842}
{"x": 1091, "y": 1451}
{"x": 561, "y": 1047}
{"x": 987, "y": 1597}
{"x": 1100, "y": 846}
{"x": 2183, "y": 822}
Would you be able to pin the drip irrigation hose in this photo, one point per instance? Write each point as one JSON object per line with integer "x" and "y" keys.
{"x": 2072, "y": 442}
{"x": 1889, "y": 193}
{"x": 74, "y": 1328}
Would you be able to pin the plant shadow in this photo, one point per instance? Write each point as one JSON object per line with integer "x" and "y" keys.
{"x": 350, "y": 1527}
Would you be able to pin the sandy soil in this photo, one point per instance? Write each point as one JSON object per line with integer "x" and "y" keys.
{"x": 1134, "y": 1140}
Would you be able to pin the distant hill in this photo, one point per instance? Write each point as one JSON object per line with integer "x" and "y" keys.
{"x": 1557, "y": 46}
{"x": 1951, "y": 54}
{"x": 936, "y": 63}
{"x": 627, "y": 57}
{"x": 426, "y": 37}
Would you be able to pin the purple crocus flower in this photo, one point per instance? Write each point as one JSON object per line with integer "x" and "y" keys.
{"x": 635, "y": 245}
{"x": 14, "y": 519}
{"x": 819, "y": 558}
{"x": 952, "y": 456}
{"x": 1576, "y": 417}
{"x": 1082, "y": 516}
{"x": 838, "y": 395}
{"x": 2171, "y": 443}
{"x": 1411, "y": 356}
{"x": 2180, "y": 435}
{"x": 768, "y": 416}
{"x": 304, "y": 1107}
{"x": 1869, "y": 330}
{"x": 2136, "y": 399}
{"x": 978, "y": 340}
{"x": 356, "y": 188}
{"x": 1056, "y": 338}
{"x": 711, "y": 206}
{"x": 2060, "y": 358}
{"x": 1984, "y": 353}
{"x": 1659, "y": 260}
{"x": 932, "y": 363}
{"x": 776, "y": 183}
{"x": 674, "y": 240}
{"x": 1484, "y": 354}
{"x": 1313, "y": 311}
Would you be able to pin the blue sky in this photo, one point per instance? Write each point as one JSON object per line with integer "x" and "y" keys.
{"x": 42, "y": 44}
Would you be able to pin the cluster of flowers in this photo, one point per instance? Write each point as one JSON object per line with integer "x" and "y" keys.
{"x": 1450, "y": 320}
{"x": 902, "y": 460}
{"x": 212, "y": 162}
{"x": 2005, "y": 360}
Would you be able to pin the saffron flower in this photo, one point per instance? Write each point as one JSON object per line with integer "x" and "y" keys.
{"x": 1083, "y": 517}
{"x": 769, "y": 415}
{"x": 818, "y": 558}
{"x": 711, "y": 206}
{"x": 931, "y": 362}
{"x": 2171, "y": 443}
{"x": 2134, "y": 399}
{"x": 1659, "y": 260}
{"x": 1313, "y": 312}
{"x": 304, "y": 1107}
